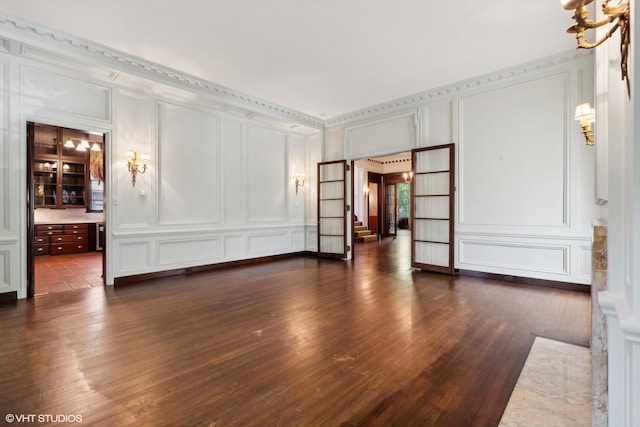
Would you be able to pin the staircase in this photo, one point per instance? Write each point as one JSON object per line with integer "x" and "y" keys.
{"x": 362, "y": 234}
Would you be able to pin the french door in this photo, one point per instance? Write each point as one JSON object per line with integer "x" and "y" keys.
{"x": 433, "y": 189}
{"x": 391, "y": 210}
{"x": 332, "y": 209}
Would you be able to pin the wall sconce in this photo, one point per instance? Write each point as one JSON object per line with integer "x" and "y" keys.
{"x": 365, "y": 191}
{"x": 299, "y": 181}
{"x": 586, "y": 115}
{"x": 619, "y": 12}
{"x": 134, "y": 167}
{"x": 408, "y": 176}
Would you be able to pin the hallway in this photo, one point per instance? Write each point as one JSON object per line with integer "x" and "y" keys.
{"x": 297, "y": 342}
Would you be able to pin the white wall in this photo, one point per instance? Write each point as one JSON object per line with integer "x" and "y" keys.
{"x": 220, "y": 183}
{"x": 524, "y": 177}
{"x": 618, "y": 141}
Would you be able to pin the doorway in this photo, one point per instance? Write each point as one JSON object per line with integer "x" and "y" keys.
{"x": 65, "y": 208}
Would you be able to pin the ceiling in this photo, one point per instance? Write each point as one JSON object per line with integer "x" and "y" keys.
{"x": 324, "y": 58}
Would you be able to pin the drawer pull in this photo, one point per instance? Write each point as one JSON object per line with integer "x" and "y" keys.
{"x": 59, "y": 248}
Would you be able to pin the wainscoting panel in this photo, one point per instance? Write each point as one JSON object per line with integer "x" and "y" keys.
{"x": 5, "y": 271}
{"x": 386, "y": 136}
{"x": 514, "y": 256}
{"x": 234, "y": 246}
{"x": 513, "y": 172}
{"x": 297, "y": 240}
{"x": 268, "y": 243}
{"x": 312, "y": 238}
{"x": 133, "y": 257}
{"x": 188, "y": 179}
{"x": 584, "y": 263}
{"x": 267, "y": 167}
{"x": 180, "y": 251}
{"x": 52, "y": 92}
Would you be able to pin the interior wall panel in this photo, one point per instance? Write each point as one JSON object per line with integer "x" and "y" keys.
{"x": 297, "y": 164}
{"x": 513, "y": 167}
{"x": 234, "y": 246}
{"x": 267, "y": 168}
{"x": 5, "y": 271}
{"x": 188, "y": 166}
{"x": 334, "y": 145}
{"x": 268, "y": 243}
{"x": 440, "y": 124}
{"x": 387, "y": 136}
{"x": 189, "y": 250}
{"x": 515, "y": 256}
{"x": 59, "y": 93}
{"x": 133, "y": 257}
{"x": 4, "y": 153}
{"x": 234, "y": 172}
{"x": 134, "y": 122}
{"x": 313, "y": 157}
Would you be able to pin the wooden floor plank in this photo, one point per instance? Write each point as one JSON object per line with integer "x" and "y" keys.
{"x": 296, "y": 342}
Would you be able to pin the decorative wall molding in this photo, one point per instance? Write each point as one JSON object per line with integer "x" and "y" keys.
{"x": 28, "y": 32}
{"x": 415, "y": 100}
{"x": 559, "y": 254}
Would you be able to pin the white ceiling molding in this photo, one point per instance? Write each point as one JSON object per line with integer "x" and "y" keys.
{"x": 413, "y": 101}
{"x": 24, "y": 32}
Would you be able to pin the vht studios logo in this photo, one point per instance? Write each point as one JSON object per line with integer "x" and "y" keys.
{"x": 42, "y": 418}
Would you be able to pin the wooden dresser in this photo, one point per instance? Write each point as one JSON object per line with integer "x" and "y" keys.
{"x": 58, "y": 239}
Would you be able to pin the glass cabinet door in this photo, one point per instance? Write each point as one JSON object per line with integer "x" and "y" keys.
{"x": 73, "y": 183}
{"x": 45, "y": 182}
{"x": 45, "y": 141}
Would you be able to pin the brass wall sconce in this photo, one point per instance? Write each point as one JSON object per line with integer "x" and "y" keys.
{"x": 299, "y": 181}
{"x": 586, "y": 115}
{"x": 365, "y": 192}
{"x": 134, "y": 167}
{"x": 617, "y": 12}
{"x": 408, "y": 176}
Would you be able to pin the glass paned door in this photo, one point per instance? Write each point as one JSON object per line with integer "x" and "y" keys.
{"x": 391, "y": 220}
{"x": 332, "y": 209}
{"x": 433, "y": 203}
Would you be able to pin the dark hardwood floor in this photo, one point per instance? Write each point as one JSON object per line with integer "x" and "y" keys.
{"x": 294, "y": 342}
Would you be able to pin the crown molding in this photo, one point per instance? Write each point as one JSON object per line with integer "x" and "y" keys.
{"x": 26, "y": 32}
{"x": 415, "y": 100}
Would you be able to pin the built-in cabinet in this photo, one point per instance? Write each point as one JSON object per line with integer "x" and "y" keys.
{"x": 60, "y": 167}
{"x": 59, "y": 239}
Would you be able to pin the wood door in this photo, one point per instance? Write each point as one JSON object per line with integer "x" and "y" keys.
{"x": 391, "y": 210}
{"x": 432, "y": 190}
{"x": 332, "y": 209}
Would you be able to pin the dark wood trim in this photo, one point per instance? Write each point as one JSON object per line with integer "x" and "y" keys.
{"x": 136, "y": 278}
{"x": 9, "y": 296}
{"x": 31, "y": 274}
{"x": 567, "y": 286}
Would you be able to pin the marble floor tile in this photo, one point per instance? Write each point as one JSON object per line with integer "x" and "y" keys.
{"x": 554, "y": 388}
